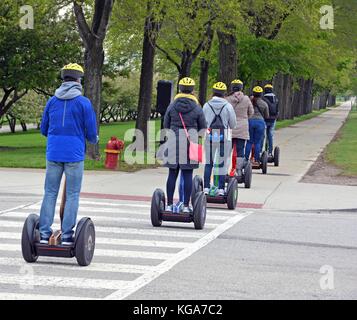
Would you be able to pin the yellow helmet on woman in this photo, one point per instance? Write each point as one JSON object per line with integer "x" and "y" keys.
{"x": 186, "y": 84}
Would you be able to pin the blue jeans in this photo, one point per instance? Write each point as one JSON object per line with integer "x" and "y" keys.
{"x": 54, "y": 172}
{"x": 270, "y": 135}
{"x": 186, "y": 176}
{"x": 256, "y": 132}
{"x": 210, "y": 162}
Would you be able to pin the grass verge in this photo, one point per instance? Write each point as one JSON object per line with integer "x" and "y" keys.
{"x": 28, "y": 149}
{"x": 342, "y": 151}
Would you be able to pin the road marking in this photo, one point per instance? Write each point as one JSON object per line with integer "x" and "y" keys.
{"x": 16, "y": 208}
{"x": 96, "y": 218}
{"x": 61, "y": 282}
{"x": 21, "y": 296}
{"x": 119, "y": 242}
{"x": 190, "y": 233}
{"x": 52, "y": 263}
{"x": 108, "y": 253}
{"x": 170, "y": 263}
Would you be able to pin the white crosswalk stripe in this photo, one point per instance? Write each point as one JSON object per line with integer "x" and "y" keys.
{"x": 127, "y": 250}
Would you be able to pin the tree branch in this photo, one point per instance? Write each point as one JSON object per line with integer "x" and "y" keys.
{"x": 83, "y": 27}
{"x": 101, "y": 29}
{"x": 168, "y": 57}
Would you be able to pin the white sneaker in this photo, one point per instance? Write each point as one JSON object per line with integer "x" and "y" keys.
{"x": 169, "y": 208}
{"x": 221, "y": 192}
{"x": 67, "y": 244}
{"x": 206, "y": 190}
{"x": 186, "y": 210}
{"x": 44, "y": 242}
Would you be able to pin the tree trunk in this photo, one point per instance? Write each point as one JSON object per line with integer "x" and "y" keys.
{"x": 93, "y": 63}
{"x": 12, "y": 122}
{"x": 203, "y": 81}
{"x": 278, "y": 88}
{"x": 228, "y": 60}
{"x": 23, "y": 126}
{"x": 308, "y": 96}
{"x": 146, "y": 77}
{"x": 93, "y": 38}
{"x": 323, "y": 99}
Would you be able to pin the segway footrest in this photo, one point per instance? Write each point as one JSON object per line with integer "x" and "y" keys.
{"x": 176, "y": 217}
{"x": 54, "y": 251}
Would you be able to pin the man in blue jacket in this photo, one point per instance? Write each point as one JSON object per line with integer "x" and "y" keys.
{"x": 67, "y": 122}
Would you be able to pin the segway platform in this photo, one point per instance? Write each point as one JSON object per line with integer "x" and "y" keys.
{"x": 82, "y": 249}
{"x": 230, "y": 197}
{"x": 197, "y": 216}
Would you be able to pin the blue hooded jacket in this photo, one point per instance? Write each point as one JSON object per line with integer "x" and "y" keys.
{"x": 68, "y": 121}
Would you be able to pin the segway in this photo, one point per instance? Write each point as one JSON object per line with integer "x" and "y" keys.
{"x": 82, "y": 249}
{"x": 275, "y": 158}
{"x": 263, "y": 165}
{"x": 247, "y": 172}
{"x": 230, "y": 196}
{"x": 197, "y": 216}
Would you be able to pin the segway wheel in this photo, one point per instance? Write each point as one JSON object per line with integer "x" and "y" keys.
{"x": 30, "y": 235}
{"x": 157, "y": 207}
{"x": 85, "y": 242}
{"x": 197, "y": 186}
{"x": 232, "y": 194}
{"x": 248, "y": 174}
{"x": 277, "y": 157}
{"x": 199, "y": 211}
{"x": 264, "y": 160}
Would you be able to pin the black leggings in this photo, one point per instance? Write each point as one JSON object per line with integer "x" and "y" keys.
{"x": 171, "y": 184}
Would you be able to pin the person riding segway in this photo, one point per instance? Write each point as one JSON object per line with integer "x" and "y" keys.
{"x": 221, "y": 119}
{"x": 243, "y": 108}
{"x": 257, "y": 130}
{"x": 67, "y": 122}
{"x": 184, "y": 120}
{"x": 271, "y": 99}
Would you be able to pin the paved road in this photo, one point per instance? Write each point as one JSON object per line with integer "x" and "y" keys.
{"x": 276, "y": 252}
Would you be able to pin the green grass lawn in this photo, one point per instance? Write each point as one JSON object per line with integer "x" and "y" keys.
{"x": 28, "y": 149}
{"x": 342, "y": 152}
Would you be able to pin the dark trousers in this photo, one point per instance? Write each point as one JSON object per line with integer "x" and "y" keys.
{"x": 186, "y": 175}
{"x": 240, "y": 146}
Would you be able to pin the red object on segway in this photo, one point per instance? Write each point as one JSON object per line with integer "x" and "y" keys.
{"x": 234, "y": 161}
{"x": 113, "y": 149}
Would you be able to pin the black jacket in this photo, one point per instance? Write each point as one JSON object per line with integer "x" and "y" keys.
{"x": 194, "y": 120}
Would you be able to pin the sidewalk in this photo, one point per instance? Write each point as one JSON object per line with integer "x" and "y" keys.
{"x": 280, "y": 189}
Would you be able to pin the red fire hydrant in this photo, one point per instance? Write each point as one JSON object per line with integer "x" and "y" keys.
{"x": 113, "y": 150}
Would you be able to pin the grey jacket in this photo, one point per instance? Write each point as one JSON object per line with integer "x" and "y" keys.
{"x": 261, "y": 110}
{"x": 228, "y": 115}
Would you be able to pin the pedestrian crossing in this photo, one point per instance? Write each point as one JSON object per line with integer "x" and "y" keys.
{"x": 129, "y": 252}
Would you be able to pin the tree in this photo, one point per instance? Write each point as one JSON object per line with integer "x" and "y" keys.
{"x": 32, "y": 58}
{"x": 93, "y": 36}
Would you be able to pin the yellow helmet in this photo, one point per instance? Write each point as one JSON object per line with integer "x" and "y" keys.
{"x": 258, "y": 89}
{"x": 186, "y": 85}
{"x": 237, "y": 81}
{"x": 219, "y": 87}
{"x": 72, "y": 70}
{"x": 268, "y": 86}
{"x": 236, "y": 85}
{"x": 187, "y": 82}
